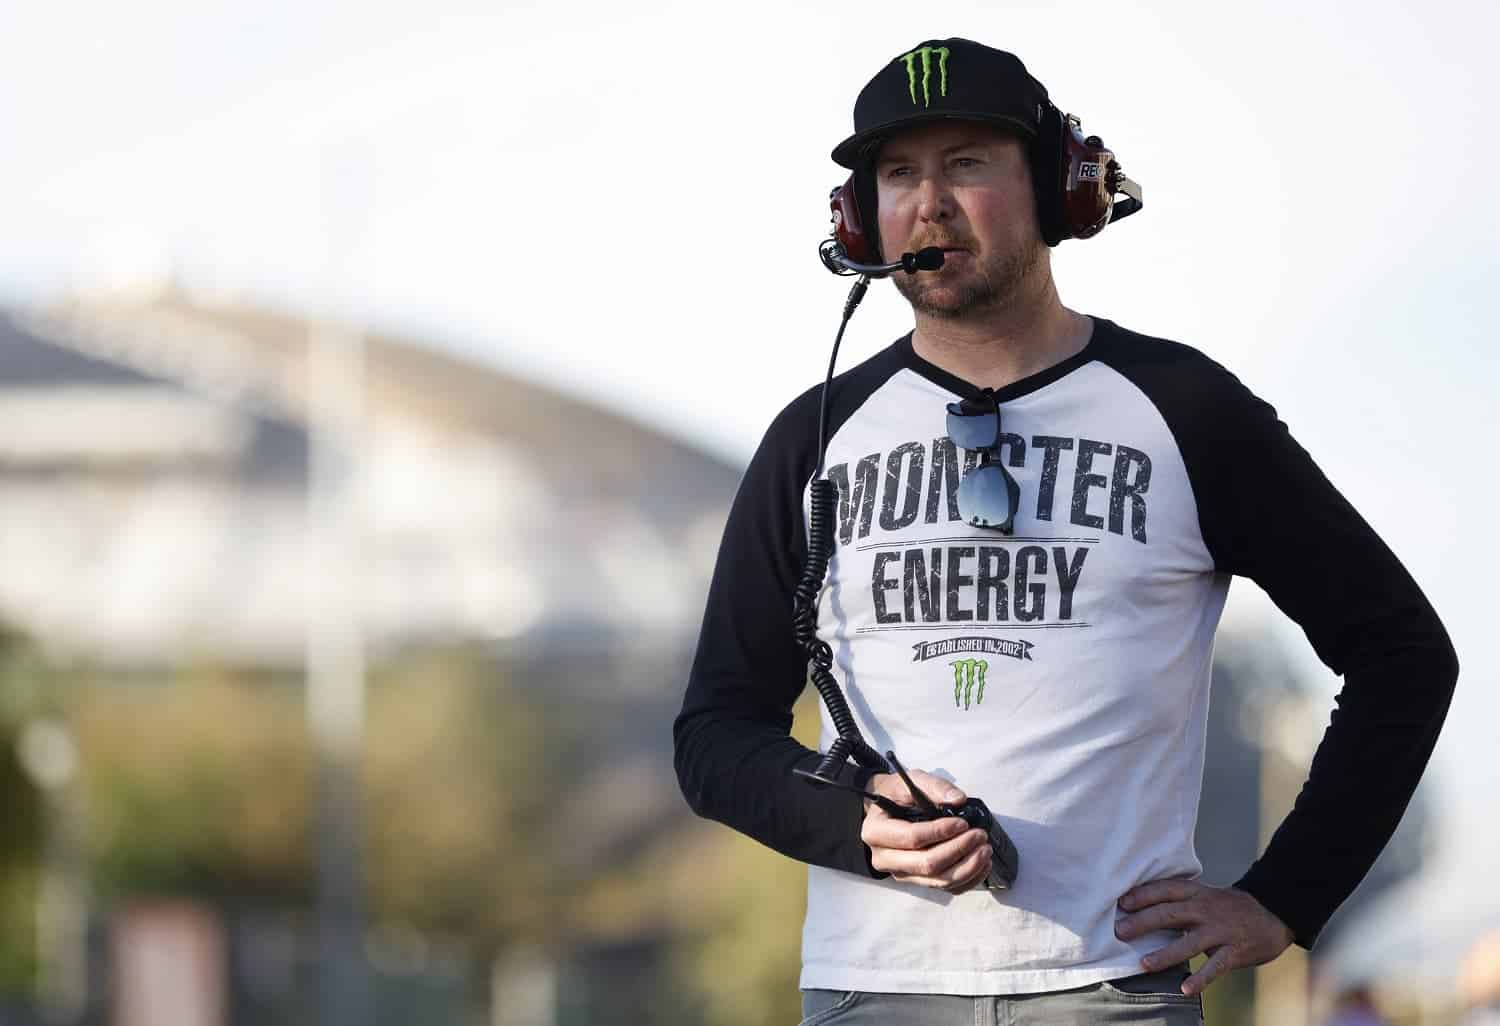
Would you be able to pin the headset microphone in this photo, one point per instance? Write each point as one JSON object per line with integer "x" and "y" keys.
{"x": 837, "y": 261}
{"x": 929, "y": 259}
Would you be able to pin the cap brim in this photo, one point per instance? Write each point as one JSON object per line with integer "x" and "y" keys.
{"x": 848, "y": 152}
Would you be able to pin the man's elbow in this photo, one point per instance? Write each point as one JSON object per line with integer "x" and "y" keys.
{"x": 687, "y": 761}
{"x": 1451, "y": 663}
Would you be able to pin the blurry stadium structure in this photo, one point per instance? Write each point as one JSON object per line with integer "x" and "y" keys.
{"x": 154, "y": 467}
{"x": 154, "y": 507}
{"x": 155, "y": 463}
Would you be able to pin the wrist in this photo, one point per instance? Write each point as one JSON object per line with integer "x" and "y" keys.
{"x": 1287, "y": 934}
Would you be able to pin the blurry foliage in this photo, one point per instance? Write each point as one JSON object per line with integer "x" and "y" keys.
{"x": 197, "y": 786}
{"x": 18, "y": 961}
{"x": 206, "y": 787}
{"x": 1229, "y": 1000}
{"x": 201, "y": 784}
{"x": 743, "y": 945}
{"x": 732, "y": 907}
{"x": 731, "y": 910}
{"x": 743, "y": 953}
{"x": 22, "y": 680}
{"x": 453, "y": 759}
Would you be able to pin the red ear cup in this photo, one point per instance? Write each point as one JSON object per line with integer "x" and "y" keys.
{"x": 849, "y": 224}
{"x": 1087, "y": 198}
{"x": 1076, "y": 179}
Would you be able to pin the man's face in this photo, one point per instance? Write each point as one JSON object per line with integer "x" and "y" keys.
{"x": 966, "y": 187}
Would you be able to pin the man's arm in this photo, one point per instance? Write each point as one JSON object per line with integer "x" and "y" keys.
{"x": 1367, "y": 619}
{"x": 1268, "y": 513}
{"x": 734, "y": 752}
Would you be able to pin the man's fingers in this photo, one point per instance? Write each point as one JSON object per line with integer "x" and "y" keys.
{"x": 884, "y": 831}
{"x": 1180, "y": 950}
{"x": 1158, "y": 891}
{"x": 1176, "y": 916}
{"x": 958, "y": 878}
{"x": 971, "y": 870}
{"x": 932, "y": 866}
{"x": 1219, "y": 963}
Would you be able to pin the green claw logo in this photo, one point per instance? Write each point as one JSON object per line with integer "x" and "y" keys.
{"x": 968, "y": 680}
{"x": 926, "y": 53}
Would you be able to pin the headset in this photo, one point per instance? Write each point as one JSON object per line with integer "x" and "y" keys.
{"x": 1076, "y": 178}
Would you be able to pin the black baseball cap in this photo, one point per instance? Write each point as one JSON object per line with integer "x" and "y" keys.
{"x": 943, "y": 79}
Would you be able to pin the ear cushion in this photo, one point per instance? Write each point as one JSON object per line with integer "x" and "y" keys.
{"x": 869, "y": 213}
{"x": 1047, "y": 173}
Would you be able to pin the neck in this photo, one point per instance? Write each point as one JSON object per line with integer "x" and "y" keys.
{"x": 1000, "y": 345}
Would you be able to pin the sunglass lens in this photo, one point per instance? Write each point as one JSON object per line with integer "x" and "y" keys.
{"x": 974, "y": 430}
{"x": 987, "y": 497}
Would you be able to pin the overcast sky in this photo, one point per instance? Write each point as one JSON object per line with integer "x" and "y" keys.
{"x": 625, "y": 201}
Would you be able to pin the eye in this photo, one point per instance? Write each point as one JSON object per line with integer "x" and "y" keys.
{"x": 966, "y": 162}
{"x": 898, "y": 171}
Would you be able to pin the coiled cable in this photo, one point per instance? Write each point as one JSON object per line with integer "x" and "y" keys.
{"x": 850, "y": 743}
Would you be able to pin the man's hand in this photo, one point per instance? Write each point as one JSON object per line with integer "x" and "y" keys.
{"x": 945, "y": 853}
{"x": 1230, "y": 926}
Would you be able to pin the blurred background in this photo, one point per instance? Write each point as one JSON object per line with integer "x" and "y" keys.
{"x": 373, "y": 386}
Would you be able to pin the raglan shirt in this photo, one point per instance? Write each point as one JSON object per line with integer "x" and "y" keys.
{"x": 1060, "y": 673}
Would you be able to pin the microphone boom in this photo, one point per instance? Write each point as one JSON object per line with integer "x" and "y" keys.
{"x": 928, "y": 259}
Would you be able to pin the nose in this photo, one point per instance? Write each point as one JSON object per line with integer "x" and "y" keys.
{"x": 934, "y": 200}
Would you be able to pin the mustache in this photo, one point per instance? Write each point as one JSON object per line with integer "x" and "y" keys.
{"x": 942, "y": 242}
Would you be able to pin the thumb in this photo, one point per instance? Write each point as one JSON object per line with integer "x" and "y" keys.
{"x": 938, "y": 789}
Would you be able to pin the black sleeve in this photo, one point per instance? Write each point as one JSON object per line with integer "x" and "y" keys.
{"x": 1269, "y": 514}
{"x": 734, "y": 754}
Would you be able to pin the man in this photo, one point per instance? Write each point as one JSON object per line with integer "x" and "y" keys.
{"x": 1060, "y": 671}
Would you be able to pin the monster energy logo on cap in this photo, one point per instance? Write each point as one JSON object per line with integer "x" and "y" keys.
{"x": 956, "y": 78}
{"x": 926, "y": 53}
{"x": 968, "y": 680}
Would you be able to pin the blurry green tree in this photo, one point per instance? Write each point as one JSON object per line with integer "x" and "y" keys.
{"x": 743, "y": 944}
{"x": 732, "y": 908}
{"x": 22, "y": 691}
{"x": 198, "y": 783}
{"x": 455, "y": 760}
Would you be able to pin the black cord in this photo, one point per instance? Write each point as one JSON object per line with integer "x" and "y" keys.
{"x": 850, "y": 742}
{"x": 856, "y": 294}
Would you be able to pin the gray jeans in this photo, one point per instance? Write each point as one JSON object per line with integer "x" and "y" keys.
{"x": 1148, "y": 999}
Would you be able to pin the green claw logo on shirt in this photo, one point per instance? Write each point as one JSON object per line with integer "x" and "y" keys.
{"x": 926, "y": 53}
{"x": 968, "y": 680}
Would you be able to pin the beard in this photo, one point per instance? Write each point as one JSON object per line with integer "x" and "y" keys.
{"x": 954, "y": 293}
